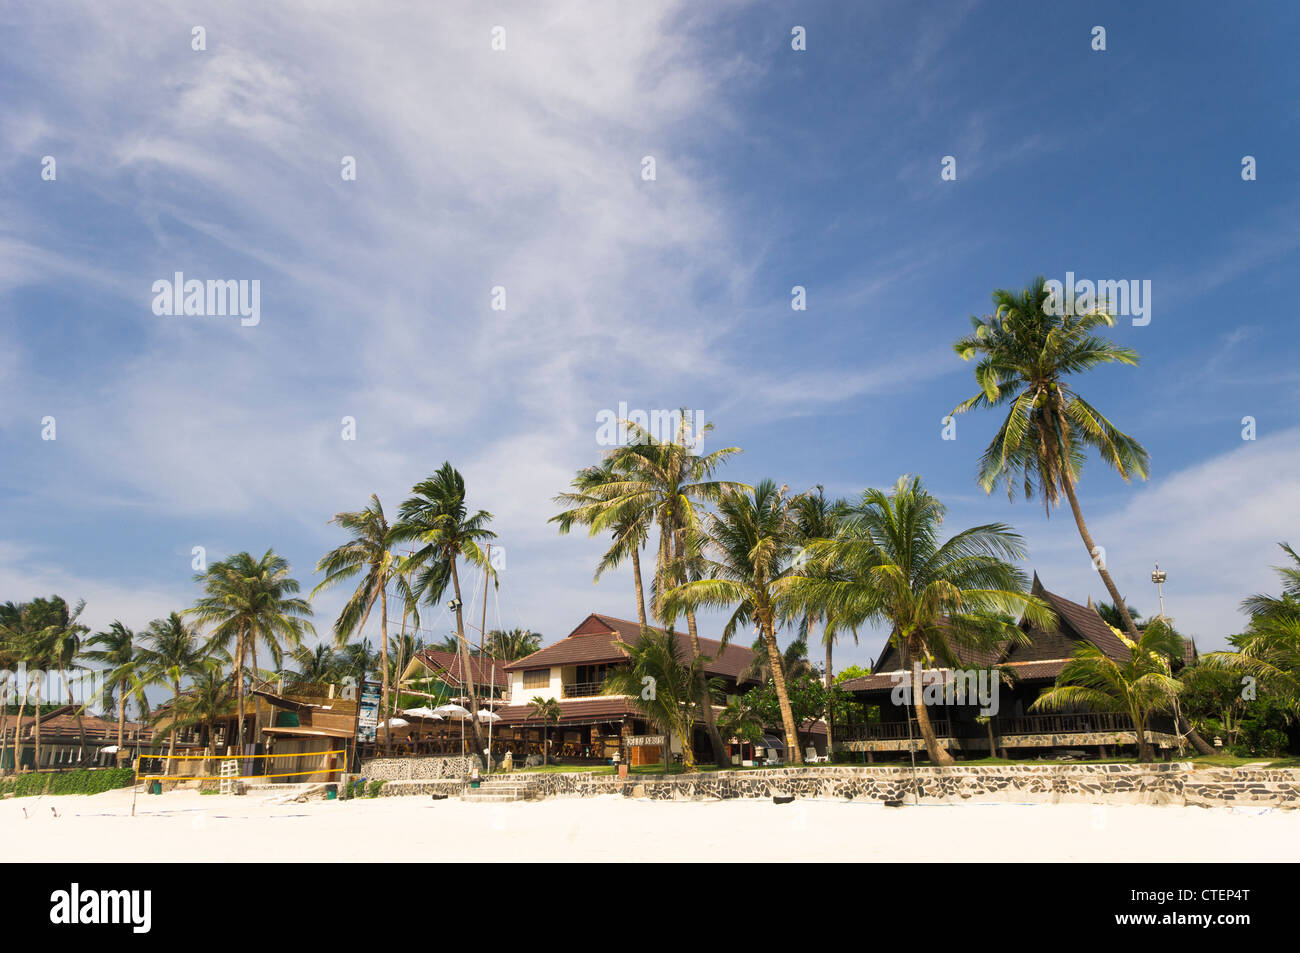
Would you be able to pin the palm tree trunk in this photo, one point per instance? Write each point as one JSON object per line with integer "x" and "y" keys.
{"x": 18, "y": 725}
{"x": 176, "y": 722}
{"x": 37, "y": 726}
{"x": 466, "y": 674}
{"x": 937, "y": 754}
{"x": 383, "y": 664}
{"x": 830, "y": 685}
{"x": 1194, "y": 736}
{"x": 782, "y": 696}
{"x": 239, "y": 693}
{"x": 81, "y": 725}
{"x": 121, "y": 714}
{"x": 640, "y": 590}
{"x": 705, "y": 702}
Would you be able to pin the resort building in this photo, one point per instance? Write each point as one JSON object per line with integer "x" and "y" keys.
{"x": 1018, "y": 674}
{"x": 69, "y": 741}
{"x": 592, "y": 726}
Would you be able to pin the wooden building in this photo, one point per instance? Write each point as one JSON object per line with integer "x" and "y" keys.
{"x": 1020, "y": 673}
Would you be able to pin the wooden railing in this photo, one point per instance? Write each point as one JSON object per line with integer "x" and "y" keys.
{"x": 890, "y": 731}
{"x": 1064, "y": 724}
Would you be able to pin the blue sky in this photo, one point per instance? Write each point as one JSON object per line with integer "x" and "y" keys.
{"x": 521, "y": 168}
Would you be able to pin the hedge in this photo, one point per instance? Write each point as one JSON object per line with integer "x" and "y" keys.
{"x": 83, "y": 781}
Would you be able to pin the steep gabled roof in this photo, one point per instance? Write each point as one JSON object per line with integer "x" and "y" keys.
{"x": 485, "y": 671}
{"x": 596, "y": 639}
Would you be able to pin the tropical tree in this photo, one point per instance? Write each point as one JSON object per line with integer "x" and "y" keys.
{"x": 1269, "y": 650}
{"x": 207, "y": 700}
{"x": 247, "y": 601}
{"x": 116, "y": 648}
{"x": 436, "y": 516}
{"x": 64, "y": 650}
{"x": 513, "y": 644}
{"x": 739, "y": 720}
{"x": 171, "y": 649}
{"x": 1026, "y": 353}
{"x": 547, "y": 711}
{"x": 1138, "y": 685}
{"x": 747, "y": 549}
{"x": 941, "y": 599}
{"x": 368, "y": 554}
{"x": 31, "y": 634}
{"x": 665, "y": 687}
{"x": 597, "y": 502}
{"x": 817, "y": 519}
{"x": 316, "y": 664}
{"x": 668, "y": 481}
{"x": 1111, "y": 615}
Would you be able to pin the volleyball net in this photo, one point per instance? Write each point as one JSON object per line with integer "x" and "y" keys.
{"x": 232, "y": 767}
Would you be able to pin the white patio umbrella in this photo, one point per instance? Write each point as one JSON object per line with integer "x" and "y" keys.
{"x": 423, "y": 712}
{"x": 111, "y": 749}
{"x": 453, "y": 711}
{"x": 486, "y": 715}
{"x": 395, "y": 723}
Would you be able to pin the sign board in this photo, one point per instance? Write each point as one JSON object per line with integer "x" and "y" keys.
{"x": 368, "y": 713}
{"x": 644, "y": 741}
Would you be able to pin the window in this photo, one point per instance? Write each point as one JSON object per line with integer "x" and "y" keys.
{"x": 537, "y": 678}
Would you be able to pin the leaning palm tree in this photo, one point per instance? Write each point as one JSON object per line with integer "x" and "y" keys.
{"x": 595, "y": 502}
{"x": 665, "y": 687}
{"x": 170, "y": 651}
{"x": 65, "y": 650}
{"x": 29, "y": 633}
{"x": 368, "y": 554}
{"x": 1137, "y": 686}
{"x": 436, "y": 516}
{"x": 1026, "y": 353}
{"x": 747, "y": 551}
{"x": 116, "y": 648}
{"x": 941, "y": 600}
{"x": 547, "y": 711}
{"x": 670, "y": 483}
{"x": 247, "y": 601}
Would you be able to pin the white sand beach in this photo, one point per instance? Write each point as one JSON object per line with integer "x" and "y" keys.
{"x": 185, "y": 826}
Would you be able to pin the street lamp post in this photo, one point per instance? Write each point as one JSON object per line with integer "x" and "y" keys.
{"x": 1158, "y": 576}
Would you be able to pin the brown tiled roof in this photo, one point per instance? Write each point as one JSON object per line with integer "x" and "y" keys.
{"x": 62, "y": 723}
{"x": 596, "y": 640}
{"x": 485, "y": 671}
{"x": 572, "y": 710}
{"x": 882, "y": 681}
{"x": 1042, "y": 657}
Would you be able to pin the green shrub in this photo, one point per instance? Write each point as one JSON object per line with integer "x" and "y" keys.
{"x": 373, "y": 789}
{"x": 84, "y": 781}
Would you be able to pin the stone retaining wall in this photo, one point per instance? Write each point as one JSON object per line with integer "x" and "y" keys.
{"x": 1160, "y": 783}
{"x": 417, "y": 769}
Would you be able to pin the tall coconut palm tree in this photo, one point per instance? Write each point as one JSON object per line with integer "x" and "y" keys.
{"x": 1137, "y": 686}
{"x": 64, "y": 651}
{"x": 665, "y": 687}
{"x": 670, "y": 482}
{"x": 547, "y": 711}
{"x": 30, "y": 632}
{"x": 747, "y": 550}
{"x": 171, "y": 649}
{"x": 316, "y": 664}
{"x": 436, "y": 517}
{"x": 368, "y": 554}
{"x": 247, "y": 601}
{"x": 208, "y": 700}
{"x": 116, "y": 648}
{"x": 940, "y": 599}
{"x": 595, "y": 503}
{"x": 1026, "y": 355}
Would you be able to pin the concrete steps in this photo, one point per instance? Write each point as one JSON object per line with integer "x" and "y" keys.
{"x": 497, "y": 792}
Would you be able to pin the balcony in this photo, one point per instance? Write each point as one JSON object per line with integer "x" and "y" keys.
{"x": 582, "y": 689}
{"x": 890, "y": 731}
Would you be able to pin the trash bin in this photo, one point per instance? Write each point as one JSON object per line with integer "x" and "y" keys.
{"x": 155, "y": 787}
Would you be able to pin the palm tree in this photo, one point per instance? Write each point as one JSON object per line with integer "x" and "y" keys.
{"x": 669, "y": 482}
{"x": 116, "y": 648}
{"x": 1137, "y": 686}
{"x": 1269, "y": 649}
{"x": 595, "y": 503}
{"x": 738, "y": 720}
{"x": 1026, "y": 353}
{"x": 664, "y": 687}
{"x": 369, "y": 554}
{"x": 794, "y": 662}
{"x": 514, "y": 644}
{"x": 747, "y": 553}
{"x": 547, "y": 710}
{"x": 816, "y": 519}
{"x": 207, "y": 701}
{"x": 315, "y": 664}
{"x": 171, "y": 650}
{"x": 29, "y": 632}
{"x": 1111, "y": 615}
{"x": 941, "y": 599}
{"x": 64, "y": 650}
{"x": 248, "y": 600}
{"x": 436, "y": 516}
